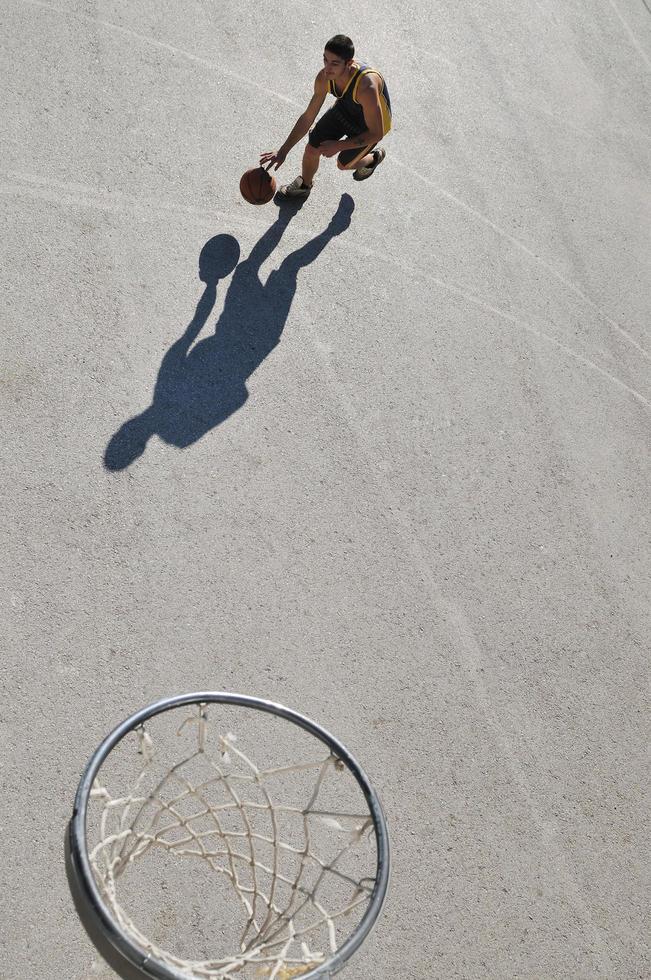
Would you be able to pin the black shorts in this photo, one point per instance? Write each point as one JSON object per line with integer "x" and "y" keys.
{"x": 334, "y": 125}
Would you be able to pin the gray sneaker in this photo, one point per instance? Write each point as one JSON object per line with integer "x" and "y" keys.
{"x": 295, "y": 191}
{"x": 363, "y": 173}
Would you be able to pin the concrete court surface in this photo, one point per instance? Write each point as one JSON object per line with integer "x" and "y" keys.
{"x": 392, "y": 472}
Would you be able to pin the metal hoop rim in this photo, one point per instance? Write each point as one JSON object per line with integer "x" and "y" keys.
{"x": 148, "y": 965}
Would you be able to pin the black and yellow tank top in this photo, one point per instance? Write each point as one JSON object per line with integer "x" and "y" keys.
{"x": 349, "y": 106}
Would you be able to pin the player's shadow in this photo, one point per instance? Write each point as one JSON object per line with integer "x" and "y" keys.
{"x": 200, "y": 386}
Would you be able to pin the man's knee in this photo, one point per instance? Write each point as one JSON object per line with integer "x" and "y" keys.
{"x": 312, "y": 152}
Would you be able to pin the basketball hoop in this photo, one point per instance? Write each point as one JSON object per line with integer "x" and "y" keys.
{"x": 263, "y": 854}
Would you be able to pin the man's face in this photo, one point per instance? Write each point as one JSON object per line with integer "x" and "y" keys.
{"x": 334, "y": 65}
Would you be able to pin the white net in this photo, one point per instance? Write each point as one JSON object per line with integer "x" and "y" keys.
{"x": 280, "y": 860}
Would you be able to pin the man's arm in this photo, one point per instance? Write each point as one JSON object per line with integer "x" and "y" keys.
{"x": 303, "y": 123}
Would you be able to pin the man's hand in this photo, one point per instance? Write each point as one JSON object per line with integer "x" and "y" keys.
{"x": 330, "y": 148}
{"x": 278, "y": 158}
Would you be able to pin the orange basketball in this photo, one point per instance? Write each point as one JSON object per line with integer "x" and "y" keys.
{"x": 257, "y": 186}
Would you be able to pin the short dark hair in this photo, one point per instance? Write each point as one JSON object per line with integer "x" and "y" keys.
{"x": 341, "y": 45}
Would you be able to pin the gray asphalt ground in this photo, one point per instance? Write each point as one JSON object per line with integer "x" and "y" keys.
{"x": 405, "y": 490}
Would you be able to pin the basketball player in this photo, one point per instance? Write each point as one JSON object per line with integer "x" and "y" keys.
{"x": 350, "y": 129}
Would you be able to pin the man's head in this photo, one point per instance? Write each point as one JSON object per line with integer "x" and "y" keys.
{"x": 338, "y": 55}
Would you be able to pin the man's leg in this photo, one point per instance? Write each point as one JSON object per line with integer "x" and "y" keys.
{"x": 311, "y": 161}
{"x": 300, "y": 188}
{"x": 363, "y": 162}
{"x": 367, "y": 161}
{"x": 329, "y": 127}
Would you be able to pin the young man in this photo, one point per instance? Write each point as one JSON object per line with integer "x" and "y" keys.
{"x": 351, "y": 129}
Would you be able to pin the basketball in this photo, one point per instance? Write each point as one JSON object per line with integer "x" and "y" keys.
{"x": 257, "y": 186}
